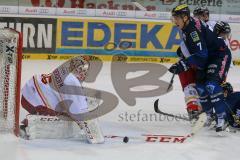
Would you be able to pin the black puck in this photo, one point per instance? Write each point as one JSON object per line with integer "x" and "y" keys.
{"x": 125, "y": 139}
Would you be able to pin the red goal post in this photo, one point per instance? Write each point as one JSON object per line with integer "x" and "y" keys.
{"x": 10, "y": 80}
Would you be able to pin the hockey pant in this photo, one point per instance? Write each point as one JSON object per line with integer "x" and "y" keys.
{"x": 187, "y": 80}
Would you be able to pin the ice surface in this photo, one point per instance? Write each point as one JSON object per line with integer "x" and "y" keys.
{"x": 124, "y": 121}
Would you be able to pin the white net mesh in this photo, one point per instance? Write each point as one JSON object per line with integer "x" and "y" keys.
{"x": 8, "y": 79}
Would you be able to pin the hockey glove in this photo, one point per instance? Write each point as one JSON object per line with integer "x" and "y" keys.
{"x": 236, "y": 119}
{"x": 178, "y": 67}
{"x": 179, "y": 53}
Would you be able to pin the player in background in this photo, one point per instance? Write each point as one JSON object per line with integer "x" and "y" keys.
{"x": 44, "y": 95}
{"x": 202, "y": 13}
{"x": 223, "y": 31}
{"x": 233, "y": 108}
{"x": 208, "y": 56}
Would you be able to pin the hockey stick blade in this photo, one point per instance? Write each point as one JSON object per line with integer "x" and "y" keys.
{"x": 195, "y": 128}
{"x": 157, "y": 110}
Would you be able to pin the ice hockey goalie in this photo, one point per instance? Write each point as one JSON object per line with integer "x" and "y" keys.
{"x": 43, "y": 97}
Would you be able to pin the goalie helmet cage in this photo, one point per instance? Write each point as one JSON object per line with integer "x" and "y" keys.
{"x": 10, "y": 80}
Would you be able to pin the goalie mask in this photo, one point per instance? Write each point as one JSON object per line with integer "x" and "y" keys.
{"x": 79, "y": 67}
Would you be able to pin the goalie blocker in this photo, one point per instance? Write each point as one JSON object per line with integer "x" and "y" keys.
{"x": 43, "y": 98}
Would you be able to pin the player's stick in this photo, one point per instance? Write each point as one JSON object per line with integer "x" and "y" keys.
{"x": 157, "y": 110}
{"x": 138, "y": 5}
{"x": 171, "y": 82}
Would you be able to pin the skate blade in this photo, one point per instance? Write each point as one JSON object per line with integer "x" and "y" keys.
{"x": 224, "y": 133}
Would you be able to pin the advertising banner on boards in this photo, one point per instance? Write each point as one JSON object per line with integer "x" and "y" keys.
{"x": 39, "y": 34}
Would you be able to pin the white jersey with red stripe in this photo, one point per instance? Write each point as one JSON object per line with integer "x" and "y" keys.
{"x": 38, "y": 92}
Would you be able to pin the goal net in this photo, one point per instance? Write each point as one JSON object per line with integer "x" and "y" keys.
{"x": 10, "y": 80}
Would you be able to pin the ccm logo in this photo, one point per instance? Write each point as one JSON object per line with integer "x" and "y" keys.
{"x": 166, "y": 138}
{"x": 51, "y": 119}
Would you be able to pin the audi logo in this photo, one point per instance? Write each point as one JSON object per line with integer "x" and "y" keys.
{"x": 121, "y": 13}
{"x": 81, "y": 12}
{"x": 43, "y": 11}
{"x": 4, "y": 10}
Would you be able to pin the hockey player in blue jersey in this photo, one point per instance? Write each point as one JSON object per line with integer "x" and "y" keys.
{"x": 233, "y": 108}
{"x": 209, "y": 56}
{"x": 188, "y": 78}
{"x": 202, "y": 13}
{"x": 222, "y": 30}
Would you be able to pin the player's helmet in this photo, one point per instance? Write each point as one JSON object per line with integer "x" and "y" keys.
{"x": 227, "y": 87}
{"x": 200, "y": 11}
{"x": 222, "y": 27}
{"x": 181, "y": 10}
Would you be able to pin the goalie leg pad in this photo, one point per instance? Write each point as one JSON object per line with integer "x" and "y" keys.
{"x": 49, "y": 127}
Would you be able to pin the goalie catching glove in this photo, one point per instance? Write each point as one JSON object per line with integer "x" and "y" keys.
{"x": 178, "y": 67}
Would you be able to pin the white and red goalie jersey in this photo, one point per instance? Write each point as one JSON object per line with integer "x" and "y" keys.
{"x": 39, "y": 97}
{"x": 48, "y": 94}
{"x": 44, "y": 93}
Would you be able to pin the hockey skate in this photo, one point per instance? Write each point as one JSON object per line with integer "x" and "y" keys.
{"x": 236, "y": 118}
{"x": 193, "y": 115}
{"x": 211, "y": 121}
{"x": 22, "y": 129}
{"x": 193, "y": 112}
{"x": 222, "y": 126}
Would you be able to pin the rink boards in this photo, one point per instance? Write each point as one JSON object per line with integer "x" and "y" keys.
{"x": 60, "y": 38}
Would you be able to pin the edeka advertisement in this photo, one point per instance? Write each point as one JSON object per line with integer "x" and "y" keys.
{"x": 107, "y": 37}
{"x": 39, "y": 34}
